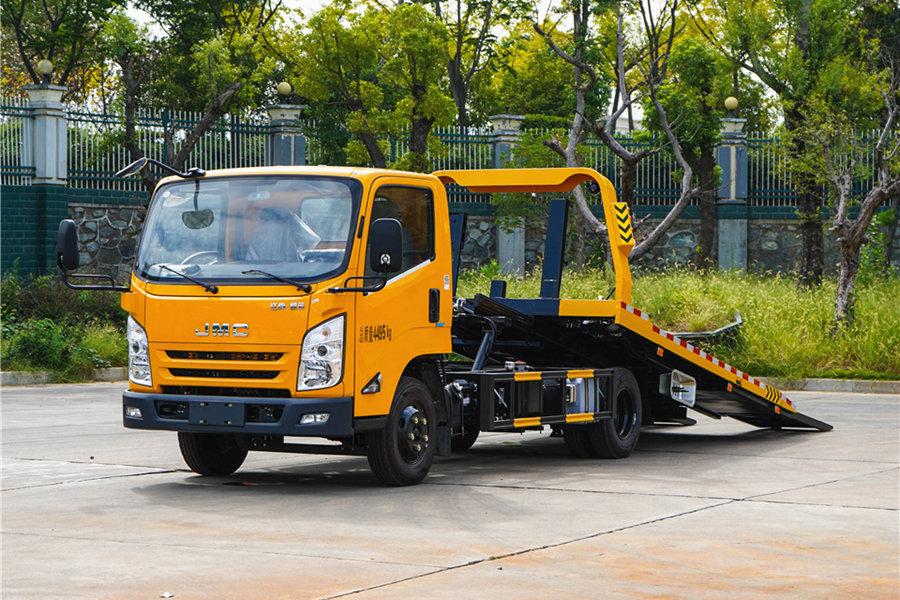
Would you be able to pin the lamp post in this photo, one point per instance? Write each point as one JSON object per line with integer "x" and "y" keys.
{"x": 733, "y": 209}
{"x": 287, "y": 144}
{"x": 45, "y": 68}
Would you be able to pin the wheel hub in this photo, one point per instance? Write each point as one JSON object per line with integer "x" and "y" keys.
{"x": 412, "y": 434}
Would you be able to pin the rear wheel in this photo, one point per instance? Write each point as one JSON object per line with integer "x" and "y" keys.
{"x": 617, "y": 436}
{"x": 211, "y": 453}
{"x": 464, "y": 441}
{"x": 402, "y": 452}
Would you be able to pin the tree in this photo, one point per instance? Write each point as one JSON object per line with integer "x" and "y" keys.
{"x": 62, "y": 31}
{"x": 786, "y": 43}
{"x": 846, "y": 102}
{"x": 659, "y": 32}
{"x": 471, "y": 27}
{"x": 380, "y": 66}
{"x": 700, "y": 79}
{"x": 532, "y": 80}
{"x": 210, "y": 64}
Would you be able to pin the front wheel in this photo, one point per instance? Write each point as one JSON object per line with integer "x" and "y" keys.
{"x": 402, "y": 452}
{"x": 211, "y": 453}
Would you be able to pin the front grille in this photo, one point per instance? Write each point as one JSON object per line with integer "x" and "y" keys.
{"x": 225, "y": 373}
{"x": 204, "y": 390}
{"x": 213, "y": 355}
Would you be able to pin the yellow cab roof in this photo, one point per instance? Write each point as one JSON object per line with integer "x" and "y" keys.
{"x": 477, "y": 180}
{"x": 364, "y": 174}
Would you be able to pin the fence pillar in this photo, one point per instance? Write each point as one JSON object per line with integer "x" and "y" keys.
{"x": 510, "y": 241}
{"x": 45, "y": 149}
{"x": 286, "y": 143}
{"x": 733, "y": 210}
{"x": 48, "y": 134}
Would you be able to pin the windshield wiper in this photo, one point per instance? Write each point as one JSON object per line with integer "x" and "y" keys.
{"x": 206, "y": 286}
{"x": 303, "y": 287}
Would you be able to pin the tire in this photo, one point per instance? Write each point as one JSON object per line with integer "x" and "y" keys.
{"x": 614, "y": 437}
{"x": 461, "y": 443}
{"x": 211, "y": 453}
{"x": 578, "y": 440}
{"x": 393, "y": 455}
{"x": 617, "y": 437}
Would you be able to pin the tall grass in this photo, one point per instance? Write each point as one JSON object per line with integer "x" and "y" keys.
{"x": 786, "y": 332}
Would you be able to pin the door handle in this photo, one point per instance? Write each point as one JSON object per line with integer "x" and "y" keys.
{"x": 434, "y": 305}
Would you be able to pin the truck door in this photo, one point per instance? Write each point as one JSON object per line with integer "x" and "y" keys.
{"x": 410, "y": 316}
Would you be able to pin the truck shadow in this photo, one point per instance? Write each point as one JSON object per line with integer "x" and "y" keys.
{"x": 496, "y": 456}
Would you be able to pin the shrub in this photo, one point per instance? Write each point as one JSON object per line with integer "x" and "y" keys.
{"x": 39, "y": 343}
{"x": 106, "y": 345}
{"x": 46, "y": 297}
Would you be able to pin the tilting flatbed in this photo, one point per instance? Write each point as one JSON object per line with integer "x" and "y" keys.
{"x": 546, "y": 332}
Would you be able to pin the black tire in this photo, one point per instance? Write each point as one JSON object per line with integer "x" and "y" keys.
{"x": 578, "y": 440}
{"x": 211, "y": 453}
{"x": 617, "y": 437}
{"x": 395, "y": 461}
{"x": 461, "y": 443}
{"x": 614, "y": 437}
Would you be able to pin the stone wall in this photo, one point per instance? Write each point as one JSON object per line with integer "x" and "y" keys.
{"x": 480, "y": 246}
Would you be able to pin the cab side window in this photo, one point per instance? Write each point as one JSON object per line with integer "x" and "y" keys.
{"x": 414, "y": 208}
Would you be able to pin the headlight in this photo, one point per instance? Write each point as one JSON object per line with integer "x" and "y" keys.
{"x": 138, "y": 354}
{"x": 322, "y": 356}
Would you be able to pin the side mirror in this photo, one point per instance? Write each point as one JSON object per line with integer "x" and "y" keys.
{"x": 67, "y": 245}
{"x": 134, "y": 167}
{"x": 385, "y": 246}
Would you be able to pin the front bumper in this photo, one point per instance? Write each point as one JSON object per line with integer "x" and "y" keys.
{"x": 251, "y": 416}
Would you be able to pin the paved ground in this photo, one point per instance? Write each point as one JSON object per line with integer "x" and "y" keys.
{"x": 717, "y": 511}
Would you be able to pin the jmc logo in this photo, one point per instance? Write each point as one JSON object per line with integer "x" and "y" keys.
{"x": 223, "y": 330}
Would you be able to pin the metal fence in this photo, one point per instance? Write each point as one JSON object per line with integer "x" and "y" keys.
{"x": 15, "y": 139}
{"x": 96, "y": 150}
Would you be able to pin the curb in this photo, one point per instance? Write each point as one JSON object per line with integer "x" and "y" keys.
{"x": 14, "y": 378}
{"x": 854, "y": 386}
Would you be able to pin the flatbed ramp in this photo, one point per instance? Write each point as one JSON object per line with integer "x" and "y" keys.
{"x": 548, "y": 332}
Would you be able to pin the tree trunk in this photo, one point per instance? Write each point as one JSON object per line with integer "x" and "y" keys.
{"x": 418, "y": 143}
{"x": 376, "y": 155}
{"x": 458, "y": 91}
{"x": 845, "y": 299}
{"x": 812, "y": 253}
{"x": 705, "y": 253}
{"x": 629, "y": 180}
{"x": 809, "y": 207}
{"x": 579, "y": 251}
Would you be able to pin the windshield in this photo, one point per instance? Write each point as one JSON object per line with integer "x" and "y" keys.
{"x": 218, "y": 228}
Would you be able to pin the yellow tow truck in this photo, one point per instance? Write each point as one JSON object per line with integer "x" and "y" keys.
{"x": 268, "y": 305}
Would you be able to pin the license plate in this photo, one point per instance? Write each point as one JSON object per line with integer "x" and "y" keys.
{"x": 228, "y": 414}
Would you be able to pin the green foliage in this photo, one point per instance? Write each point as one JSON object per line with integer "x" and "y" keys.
{"x": 786, "y": 333}
{"x": 46, "y": 326}
{"x": 380, "y": 66}
{"x": 38, "y": 343}
{"x": 873, "y": 255}
{"x": 533, "y": 80}
{"x": 56, "y": 31}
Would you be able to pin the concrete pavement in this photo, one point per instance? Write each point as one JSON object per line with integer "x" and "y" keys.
{"x": 90, "y": 510}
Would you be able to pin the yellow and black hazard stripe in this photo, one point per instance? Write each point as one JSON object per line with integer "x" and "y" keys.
{"x": 773, "y": 394}
{"x": 623, "y": 223}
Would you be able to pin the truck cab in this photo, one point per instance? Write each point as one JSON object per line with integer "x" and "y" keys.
{"x": 263, "y": 301}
